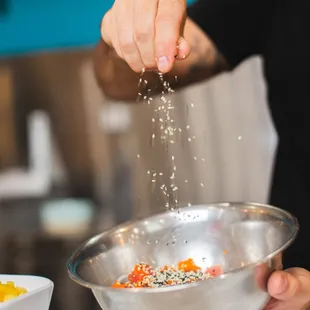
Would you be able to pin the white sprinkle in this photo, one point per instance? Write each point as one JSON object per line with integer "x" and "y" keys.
{"x": 138, "y": 155}
{"x": 201, "y": 184}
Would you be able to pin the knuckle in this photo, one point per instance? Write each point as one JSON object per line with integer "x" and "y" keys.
{"x": 127, "y": 42}
{"x": 143, "y": 34}
{"x": 105, "y": 20}
{"x": 166, "y": 18}
{"x": 171, "y": 15}
{"x": 105, "y": 27}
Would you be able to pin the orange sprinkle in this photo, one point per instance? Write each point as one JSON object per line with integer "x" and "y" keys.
{"x": 139, "y": 272}
{"x": 188, "y": 265}
{"x": 118, "y": 285}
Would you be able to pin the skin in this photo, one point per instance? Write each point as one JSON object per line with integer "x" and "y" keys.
{"x": 156, "y": 35}
{"x": 118, "y": 81}
{"x": 146, "y": 33}
{"x": 290, "y": 290}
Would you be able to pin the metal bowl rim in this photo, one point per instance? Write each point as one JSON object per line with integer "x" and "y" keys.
{"x": 265, "y": 259}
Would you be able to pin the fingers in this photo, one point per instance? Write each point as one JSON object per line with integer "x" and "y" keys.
{"x": 292, "y": 284}
{"x": 144, "y": 30}
{"x": 124, "y": 17}
{"x": 168, "y": 27}
{"x": 109, "y": 33}
{"x": 146, "y": 33}
{"x": 105, "y": 24}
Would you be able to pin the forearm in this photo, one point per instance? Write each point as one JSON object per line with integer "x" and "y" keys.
{"x": 119, "y": 82}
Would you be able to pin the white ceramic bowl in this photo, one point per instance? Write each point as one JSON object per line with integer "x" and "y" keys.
{"x": 39, "y": 294}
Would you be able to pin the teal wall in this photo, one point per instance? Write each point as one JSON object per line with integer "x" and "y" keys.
{"x": 36, "y": 25}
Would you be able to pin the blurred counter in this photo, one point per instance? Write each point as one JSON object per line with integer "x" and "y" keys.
{"x": 28, "y": 249}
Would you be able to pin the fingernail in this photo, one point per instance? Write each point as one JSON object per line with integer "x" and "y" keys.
{"x": 282, "y": 285}
{"x": 163, "y": 63}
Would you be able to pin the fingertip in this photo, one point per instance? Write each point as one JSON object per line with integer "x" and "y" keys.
{"x": 164, "y": 64}
{"x": 282, "y": 285}
{"x": 277, "y": 284}
{"x": 184, "y": 49}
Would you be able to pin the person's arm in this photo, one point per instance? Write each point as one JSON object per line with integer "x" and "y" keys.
{"x": 119, "y": 82}
{"x": 225, "y": 32}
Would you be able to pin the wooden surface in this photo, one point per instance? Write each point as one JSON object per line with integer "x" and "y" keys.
{"x": 8, "y": 143}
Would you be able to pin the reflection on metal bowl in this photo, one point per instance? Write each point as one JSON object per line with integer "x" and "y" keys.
{"x": 246, "y": 239}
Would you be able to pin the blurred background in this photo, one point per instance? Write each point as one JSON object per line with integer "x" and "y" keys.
{"x": 73, "y": 163}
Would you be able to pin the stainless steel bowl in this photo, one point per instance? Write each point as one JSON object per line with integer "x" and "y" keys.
{"x": 246, "y": 239}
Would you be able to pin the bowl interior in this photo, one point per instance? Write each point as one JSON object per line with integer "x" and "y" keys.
{"x": 230, "y": 235}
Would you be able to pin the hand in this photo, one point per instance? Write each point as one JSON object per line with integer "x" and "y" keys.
{"x": 147, "y": 34}
{"x": 290, "y": 290}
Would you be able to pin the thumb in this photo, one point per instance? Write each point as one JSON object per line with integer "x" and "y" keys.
{"x": 292, "y": 284}
{"x": 283, "y": 285}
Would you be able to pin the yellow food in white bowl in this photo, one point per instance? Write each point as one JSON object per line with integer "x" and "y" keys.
{"x": 10, "y": 291}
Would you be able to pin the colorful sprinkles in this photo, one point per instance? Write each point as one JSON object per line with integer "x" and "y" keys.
{"x": 144, "y": 276}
